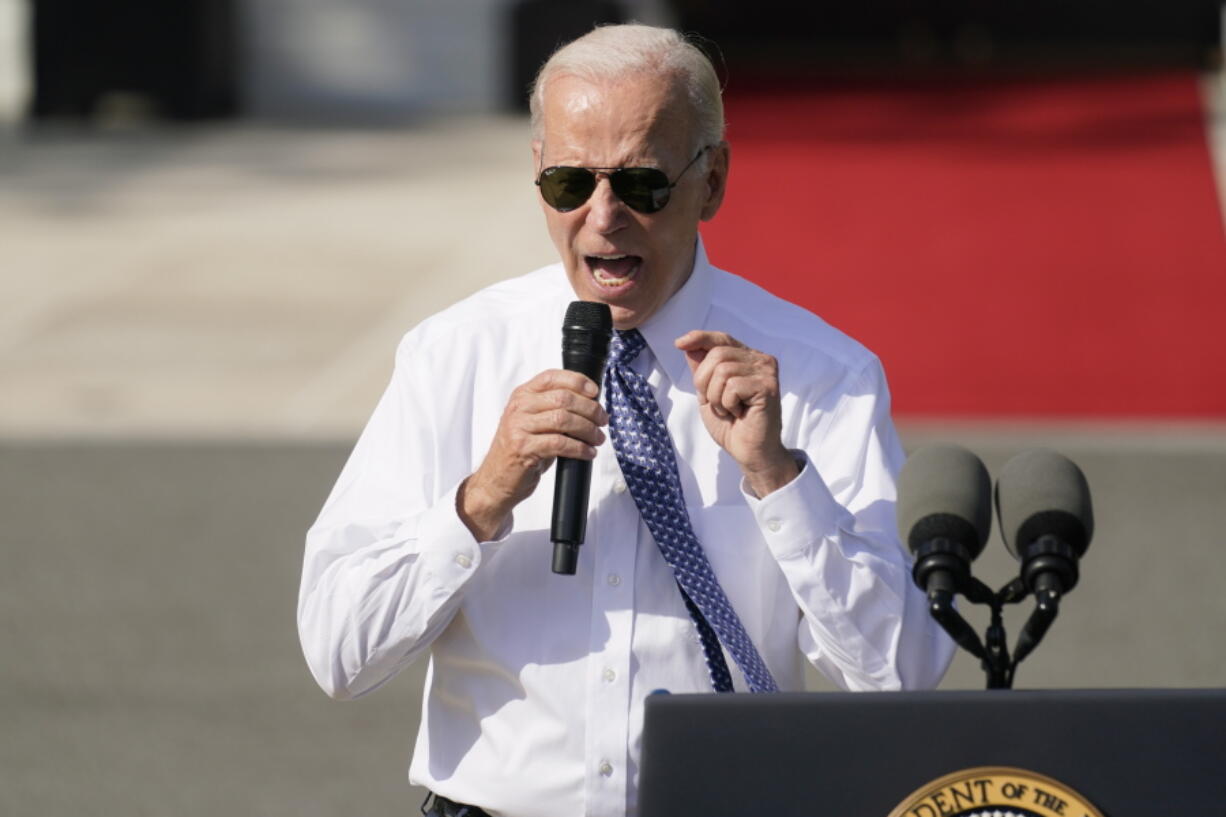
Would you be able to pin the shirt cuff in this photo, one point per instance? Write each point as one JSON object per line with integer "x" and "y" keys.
{"x": 448, "y": 550}
{"x": 798, "y": 514}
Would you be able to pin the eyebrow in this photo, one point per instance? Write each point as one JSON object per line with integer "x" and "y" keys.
{"x": 652, "y": 163}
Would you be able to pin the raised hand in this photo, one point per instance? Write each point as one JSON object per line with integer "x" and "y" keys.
{"x": 738, "y": 396}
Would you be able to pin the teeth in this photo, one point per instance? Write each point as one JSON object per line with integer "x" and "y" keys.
{"x": 608, "y": 279}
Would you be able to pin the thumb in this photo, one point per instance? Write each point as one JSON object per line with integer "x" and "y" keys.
{"x": 695, "y": 350}
{"x": 695, "y": 357}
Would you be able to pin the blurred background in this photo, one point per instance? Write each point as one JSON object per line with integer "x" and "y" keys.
{"x": 217, "y": 217}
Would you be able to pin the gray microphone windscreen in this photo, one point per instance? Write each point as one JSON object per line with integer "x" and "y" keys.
{"x": 944, "y": 492}
{"x": 1041, "y": 492}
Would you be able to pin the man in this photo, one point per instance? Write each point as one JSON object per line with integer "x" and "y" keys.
{"x": 435, "y": 541}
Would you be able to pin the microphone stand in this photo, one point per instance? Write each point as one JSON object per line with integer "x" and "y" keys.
{"x": 993, "y": 650}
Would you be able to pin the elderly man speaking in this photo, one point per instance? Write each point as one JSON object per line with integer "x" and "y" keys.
{"x": 742, "y": 490}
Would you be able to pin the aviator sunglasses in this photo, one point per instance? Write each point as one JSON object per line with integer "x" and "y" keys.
{"x": 644, "y": 189}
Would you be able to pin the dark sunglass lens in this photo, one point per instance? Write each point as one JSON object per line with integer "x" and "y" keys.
{"x": 565, "y": 188}
{"x": 644, "y": 189}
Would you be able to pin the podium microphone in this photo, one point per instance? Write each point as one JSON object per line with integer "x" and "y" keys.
{"x": 1046, "y": 520}
{"x": 944, "y": 516}
{"x": 586, "y": 332}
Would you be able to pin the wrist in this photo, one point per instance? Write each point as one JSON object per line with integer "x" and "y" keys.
{"x": 772, "y": 474}
{"x": 484, "y": 516}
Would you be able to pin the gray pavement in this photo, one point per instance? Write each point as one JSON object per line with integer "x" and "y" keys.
{"x": 195, "y": 324}
{"x": 152, "y": 664}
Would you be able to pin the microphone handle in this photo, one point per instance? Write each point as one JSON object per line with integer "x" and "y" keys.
{"x": 572, "y": 484}
{"x": 582, "y": 352}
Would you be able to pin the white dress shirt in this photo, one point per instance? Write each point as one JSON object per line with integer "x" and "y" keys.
{"x": 534, "y": 696}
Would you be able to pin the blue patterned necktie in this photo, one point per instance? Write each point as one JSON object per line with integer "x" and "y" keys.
{"x": 645, "y": 453}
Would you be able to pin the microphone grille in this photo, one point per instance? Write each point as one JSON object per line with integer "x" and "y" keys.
{"x": 1040, "y": 491}
{"x": 945, "y": 490}
{"x": 589, "y": 315}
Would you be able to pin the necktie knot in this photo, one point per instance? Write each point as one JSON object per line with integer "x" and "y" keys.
{"x": 625, "y": 347}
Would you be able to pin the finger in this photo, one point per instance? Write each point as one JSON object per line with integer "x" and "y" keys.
{"x": 716, "y": 381}
{"x": 552, "y": 446}
{"x": 536, "y": 452}
{"x": 742, "y": 392}
{"x": 700, "y": 339}
{"x": 720, "y": 364}
{"x": 561, "y": 399}
{"x": 561, "y": 421}
{"x": 695, "y": 359}
{"x": 552, "y": 379}
{"x": 733, "y": 389}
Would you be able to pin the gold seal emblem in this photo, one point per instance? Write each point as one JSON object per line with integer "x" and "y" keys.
{"x": 995, "y": 791}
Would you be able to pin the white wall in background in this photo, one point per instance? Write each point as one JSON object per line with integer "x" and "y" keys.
{"x": 364, "y": 58}
{"x": 15, "y": 56}
{"x": 381, "y": 58}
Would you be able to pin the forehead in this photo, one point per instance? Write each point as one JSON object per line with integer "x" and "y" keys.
{"x": 612, "y": 121}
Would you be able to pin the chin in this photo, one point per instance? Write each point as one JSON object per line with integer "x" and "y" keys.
{"x": 624, "y": 318}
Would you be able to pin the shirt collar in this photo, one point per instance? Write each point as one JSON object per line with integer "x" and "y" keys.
{"x": 686, "y": 310}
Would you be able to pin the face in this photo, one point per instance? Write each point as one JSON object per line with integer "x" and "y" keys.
{"x": 632, "y": 261}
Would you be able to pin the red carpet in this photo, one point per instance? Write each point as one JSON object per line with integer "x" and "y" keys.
{"x": 1043, "y": 248}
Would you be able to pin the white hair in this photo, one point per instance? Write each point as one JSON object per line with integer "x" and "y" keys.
{"x": 613, "y": 52}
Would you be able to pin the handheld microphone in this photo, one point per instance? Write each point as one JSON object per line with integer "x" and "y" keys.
{"x": 1043, "y": 502}
{"x": 586, "y": 332}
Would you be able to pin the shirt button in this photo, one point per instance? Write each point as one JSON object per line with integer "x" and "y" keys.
{"x": 463, "y": 560}
{"x": 609, "y": 675}
{"x": 606, "y": 768}
{"x": 614, "y": 580}
{"x": 774, "y": 525}
{"x": 619, "y": 487}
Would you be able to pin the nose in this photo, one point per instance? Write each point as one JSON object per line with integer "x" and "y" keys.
{"x": 606, "y": 213}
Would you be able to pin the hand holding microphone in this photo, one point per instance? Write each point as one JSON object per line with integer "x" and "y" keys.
{"x": 553, "y": 416}
{"x": 586, "y": 333}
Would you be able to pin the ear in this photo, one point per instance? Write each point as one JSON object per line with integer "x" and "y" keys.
{"x": 716, "y": 179}
{"x": 536, "y": 155}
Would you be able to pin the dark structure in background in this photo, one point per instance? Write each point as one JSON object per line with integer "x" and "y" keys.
{"x": 779, "y": 39}
{"x": 538, "y": 27}
{"x": 180, "y": 57}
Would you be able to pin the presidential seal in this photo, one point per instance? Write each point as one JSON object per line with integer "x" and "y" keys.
{"x": 995, "y": 791}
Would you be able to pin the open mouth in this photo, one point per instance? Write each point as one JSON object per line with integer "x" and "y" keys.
{"x": 614, "y": 270}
